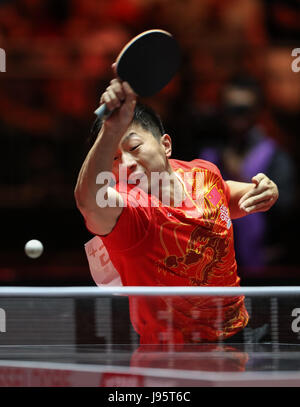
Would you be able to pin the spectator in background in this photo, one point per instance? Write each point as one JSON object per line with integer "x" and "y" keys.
{"x": 282, "y": 95}
{"x": 245, "y": 150}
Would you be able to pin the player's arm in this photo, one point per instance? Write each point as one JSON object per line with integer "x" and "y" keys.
{"x": 120, "y": 98}
{"x": 247, "y": 198}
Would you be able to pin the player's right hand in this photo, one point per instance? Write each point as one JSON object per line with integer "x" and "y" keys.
{"x": 120, "y": 99}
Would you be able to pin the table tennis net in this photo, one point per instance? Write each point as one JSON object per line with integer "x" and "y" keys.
{"x": 105, "y": 320}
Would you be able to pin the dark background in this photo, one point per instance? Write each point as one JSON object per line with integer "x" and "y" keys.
{"x": 58, "y": 61}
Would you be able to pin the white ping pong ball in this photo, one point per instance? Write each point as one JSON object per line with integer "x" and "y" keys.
{"x": 34, "y": 248}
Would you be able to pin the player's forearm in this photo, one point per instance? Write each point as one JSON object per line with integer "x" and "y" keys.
{"x": 120, "y": 99}
{"x": 98, "y": 160}
{"x": 237, "y": 190}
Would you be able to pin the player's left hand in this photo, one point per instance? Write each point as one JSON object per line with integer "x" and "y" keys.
{"x": 261, "y": 197}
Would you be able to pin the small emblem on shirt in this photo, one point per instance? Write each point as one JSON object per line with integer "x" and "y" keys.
{"x": 224, "y": 215}
{"x": 213, "y": 196}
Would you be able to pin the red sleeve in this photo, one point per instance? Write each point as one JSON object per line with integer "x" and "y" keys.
{"x": 133, "y": 223}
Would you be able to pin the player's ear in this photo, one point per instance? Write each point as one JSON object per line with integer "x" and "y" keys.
{"x": 166, "y": 143}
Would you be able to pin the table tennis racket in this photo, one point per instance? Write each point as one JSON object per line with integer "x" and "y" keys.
{"x": 148, "y": 62}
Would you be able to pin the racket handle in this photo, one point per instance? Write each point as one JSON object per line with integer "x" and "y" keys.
{"x": 100, "y": 111}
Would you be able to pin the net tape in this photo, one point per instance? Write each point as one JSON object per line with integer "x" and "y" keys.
{"x": 147, "y": 291}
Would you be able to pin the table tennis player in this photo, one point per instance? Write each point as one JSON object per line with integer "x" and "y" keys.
{"x": 185, "y": 239}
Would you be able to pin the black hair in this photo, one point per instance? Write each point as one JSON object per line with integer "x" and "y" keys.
{"x": 149, "y": 120}
{"x": 144, "y": 115}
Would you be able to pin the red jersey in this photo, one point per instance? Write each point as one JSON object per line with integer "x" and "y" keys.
{"x": 189, "y": 245}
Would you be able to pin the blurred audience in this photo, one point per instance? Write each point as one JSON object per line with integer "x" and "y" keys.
{"x": 59, "y": 56}
{"x": 245, "y": 149}
{"x": 282, "y": 20}
{"x": 282, "y": 92}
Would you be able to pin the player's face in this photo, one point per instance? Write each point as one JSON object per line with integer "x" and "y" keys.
{"x": 140, "y": 153}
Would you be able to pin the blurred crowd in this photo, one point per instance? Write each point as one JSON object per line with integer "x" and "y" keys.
{"x": 235, "y": 97}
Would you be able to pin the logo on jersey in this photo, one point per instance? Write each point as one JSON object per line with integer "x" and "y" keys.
{"x": 224, "y": 215}
{"x": 213, "y": 196}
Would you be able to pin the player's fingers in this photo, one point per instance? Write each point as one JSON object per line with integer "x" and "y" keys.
{"x": 255, "y": 194}
{"x": 130, "y": 100}
{"x": 256, "y": 190}
{"x": 116, "y": 102}
{"x": 110, "y": 100}
{"x": 114, "y": 69}
{"x": 254, "y": 200}
{"x": 104, "y": 96}
{"x": 258, "y": 178}
{"x": 129, "y": 92}
{"x": 114, "y": 81}
{"x": 261, "y": 206}
{"x": 105, "y": 99}
{"x": 114, "y": 84}
{"x": 118, "y": 89}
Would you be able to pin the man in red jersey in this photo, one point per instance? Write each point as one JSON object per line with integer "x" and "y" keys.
{"x": 165, "y": 222}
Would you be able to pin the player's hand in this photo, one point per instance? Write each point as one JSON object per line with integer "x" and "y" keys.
{"x": 120, "y": 99}
{"x": 261, "y": 197}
